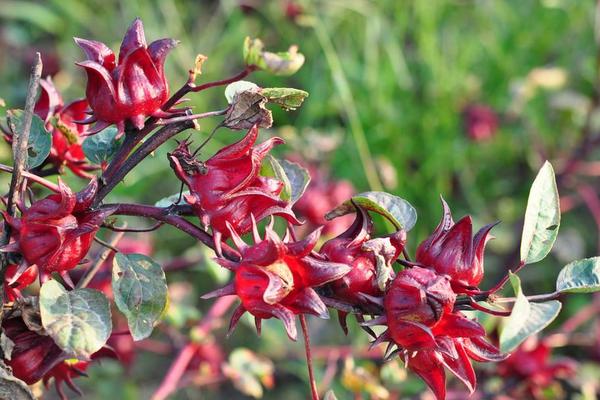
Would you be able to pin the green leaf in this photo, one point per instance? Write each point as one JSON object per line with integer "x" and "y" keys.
{"x": 399, "y": 211}
{"x": 542, "y": 217}
{"x": 526, "y": 318}
{"x": 581, "y": 276}
{"x": 271, "y": 167}
{"x": 102, "y": 146}
{"x": 286, "y": 98}
{"x": 172, "y": 200}
{"x": 298, "y": 178}
{"x": 140, "y": 290}
{"x": 40, "y": 140}
{"x": 78, "y": 320}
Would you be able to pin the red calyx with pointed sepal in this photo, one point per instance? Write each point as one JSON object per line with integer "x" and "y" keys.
{"x": 452, "y": 250}
{"x": 228, "y": 187}
{"x": 131, "y": 89}
{"x": 56, "y": 232}
{"x": 428, "y": 334}
{"x": 277, "y": 278}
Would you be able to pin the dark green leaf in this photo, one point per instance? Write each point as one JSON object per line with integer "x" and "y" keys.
{"x": 40, "y": 140}
{"x": 526, "y": 318}
{"x": 78, "y": 320}
{"x": 581, "y": 276}
{"x": 399, "y": 211}
{"x": 102, "y": 146}
{"x": 542, "y": 217}
{"x": 140, "y": 290}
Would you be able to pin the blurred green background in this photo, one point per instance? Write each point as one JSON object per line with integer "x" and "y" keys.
{"x": 391, "y": 79}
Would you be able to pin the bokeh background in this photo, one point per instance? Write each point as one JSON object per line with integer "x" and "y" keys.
{"x": 463, "y": 98}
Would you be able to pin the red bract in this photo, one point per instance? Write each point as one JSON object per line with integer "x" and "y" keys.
{"x": 530, "y": 364}
{"x": 322, "y": 195}
{"x": 228, "y": 188}
{"x": 55, "y": 233}
{"x": 67, "y": 136}
{"x": 452, "y": 250}
{"x": 480, "y": 121}
{"x": 355, "y": 248}
{"x": 428, "y": 333}
{"x": 33, "y": 355}
{"x": 132, "y": 89}
{"x": 276, "y": 278}
{"x": 13, "y": 286}
{"x": 65, "y": 372}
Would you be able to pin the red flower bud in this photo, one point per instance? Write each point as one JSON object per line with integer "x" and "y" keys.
{"x": 33, "y": 355}
{"x": 480, "y": 121}
{"x": 67, "y": 136}
{"x": 355, "y": 248}
{"x": 429, "y": 335}
{"x": 452, "y": 250}
{"x": 228, "y": 188}
{"x": 276, "y": 278}
{"x": 56, "y": 232}
{"x": 132, "y": 89}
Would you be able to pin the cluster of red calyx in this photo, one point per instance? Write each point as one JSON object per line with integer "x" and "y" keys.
{"x": 56, "y": 232}
{"x": 36, "y": 357}
{"x": 322, "y": 195}
{"x": 531, "y": 367}
{"x": 67, "y": 135}
{"x": 418, "y": 307}
{"x": 228, "y": 187}
{"x": 364, "y": 255}
{"x": 480, "y": 122}
{"x": 277, "y": 278}
{"x": 130, "y": 90}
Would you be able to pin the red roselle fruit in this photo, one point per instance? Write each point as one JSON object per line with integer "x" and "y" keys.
{"x": 452, "y": 250}
{"x": 480, "y": 122}
{"x": 228, "y": 187}
{"x": 33, "y": 355}
{"x": 276, "y": 278}
{"x": 67, "y": 136}
{"x": 428, "y": 334}
{"x": 56, "y": 232}
{"x": 131, "y": 89}
{"x": 364, "y": 255}
{"x": 530, "y": 364}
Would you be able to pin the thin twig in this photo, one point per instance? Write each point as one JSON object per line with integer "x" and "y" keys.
{"x": 311, "y": 375}
{"x": 91, "y": 272}
{"x": 19, "y": 147}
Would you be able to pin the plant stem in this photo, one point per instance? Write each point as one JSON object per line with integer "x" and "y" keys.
{"x": 19, "y": 148}
{"x": 162, "y": 214}
{"x": 161, "y": 136}
{"x": 91, "y": 272}
{"x": 311, "y": 375}
{"x": 33, "y": 177}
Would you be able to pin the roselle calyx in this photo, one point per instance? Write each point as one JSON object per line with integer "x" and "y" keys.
{"x": 277, "y": 278}
{"x": 452, "y": 250}
{"x": 228, "y": 187}
{"x": 56, "y": 232}
{"x": 424, "y": 329}
{"x": 130, "y": 89}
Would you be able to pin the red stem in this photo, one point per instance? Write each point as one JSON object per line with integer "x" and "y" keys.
{"x": 311, "y": 375}
{"x": 162, "y": 214}
{"x": 502, "y": 282}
